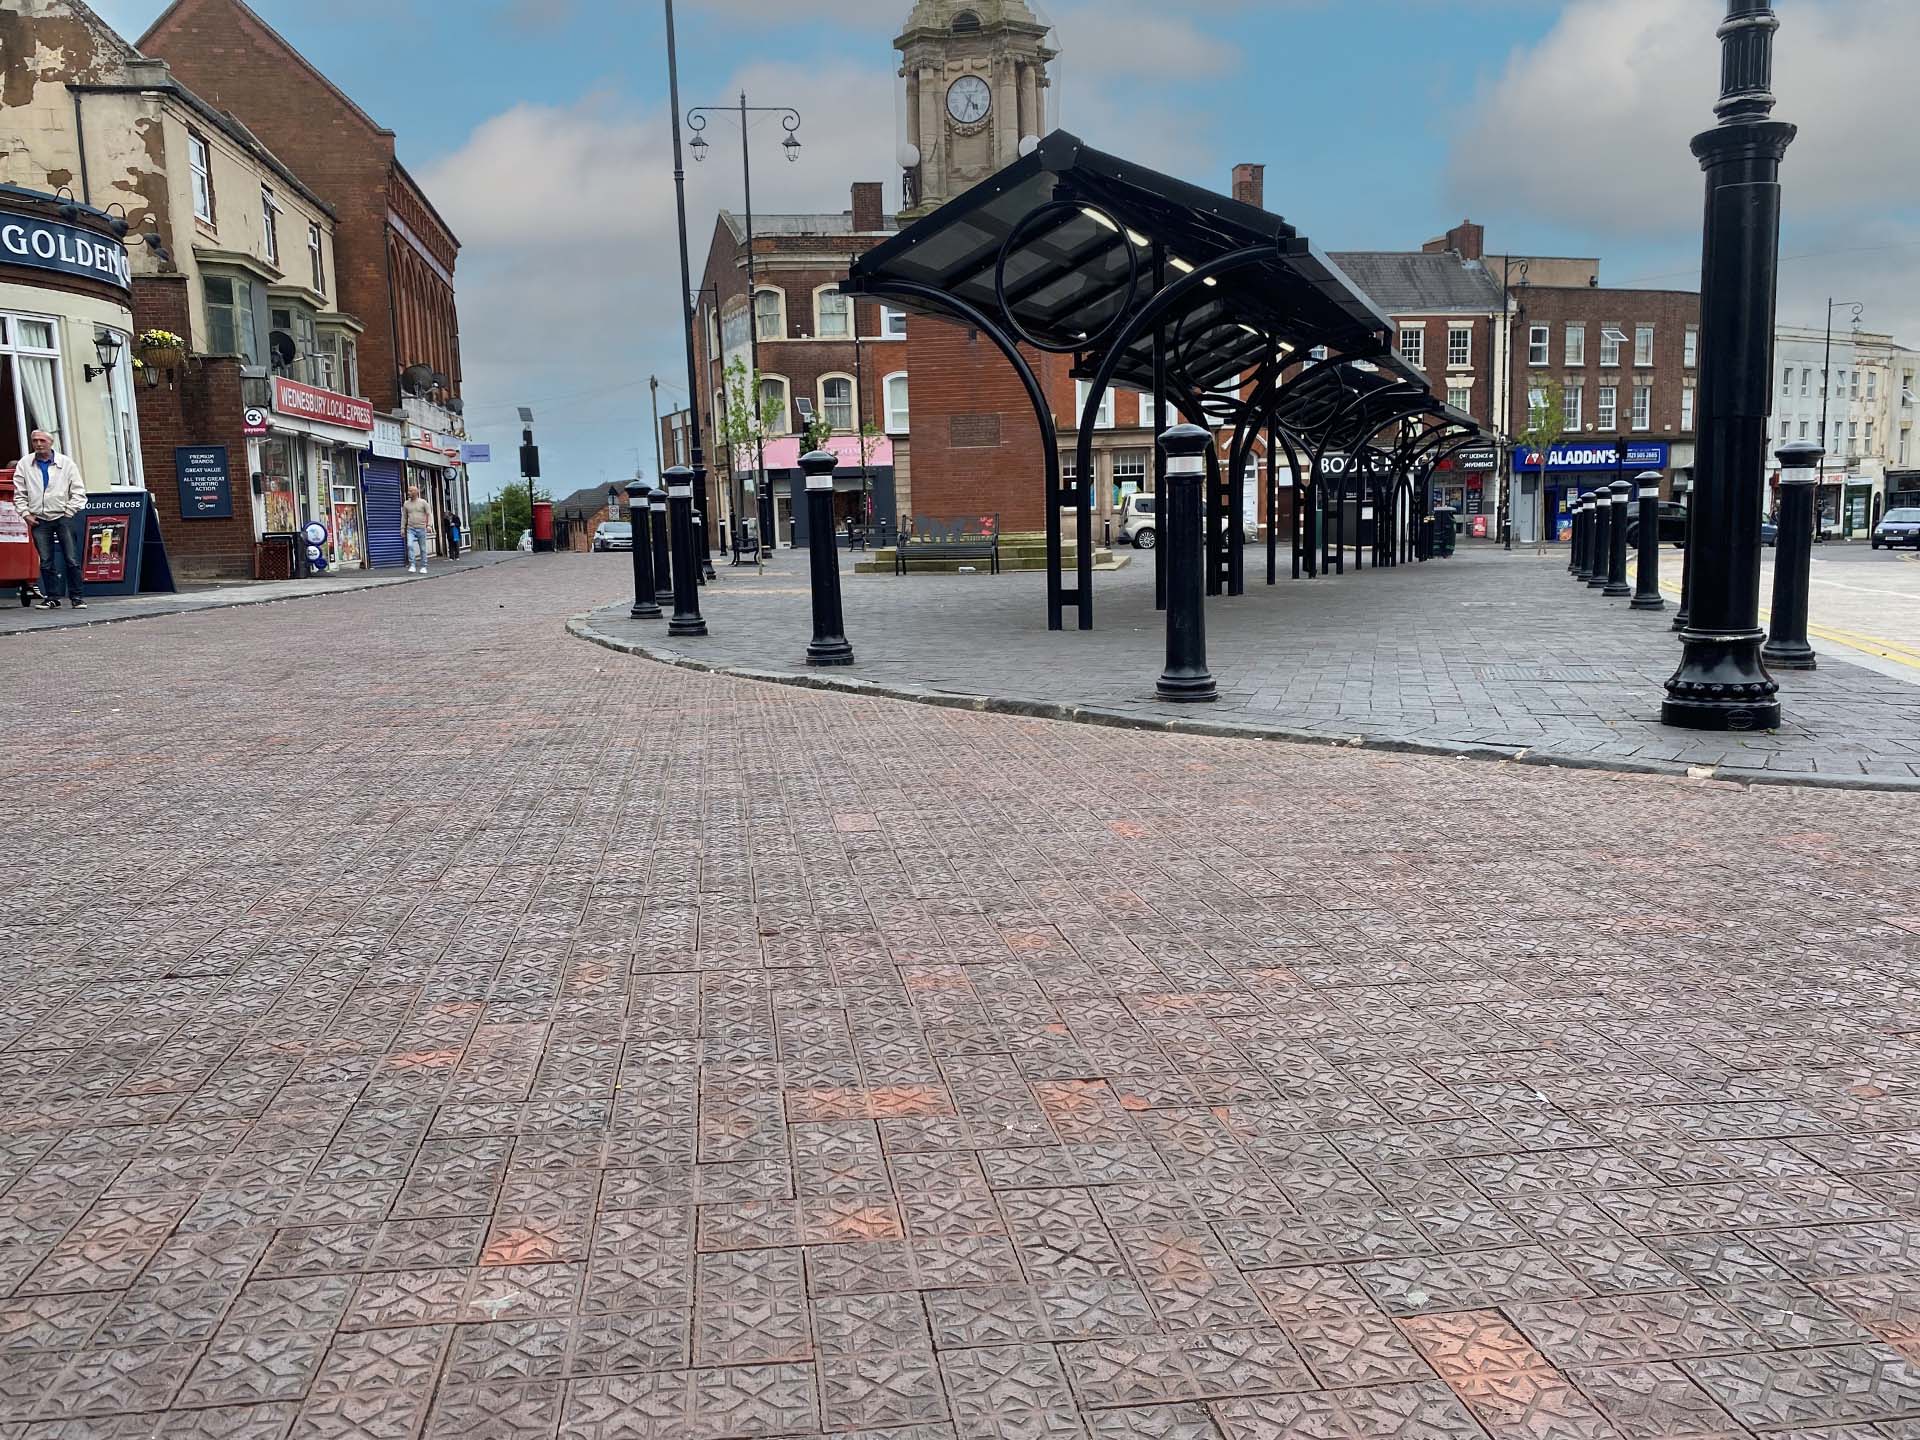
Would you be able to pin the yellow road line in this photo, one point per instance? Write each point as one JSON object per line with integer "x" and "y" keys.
{"x": 1893, "y": 650}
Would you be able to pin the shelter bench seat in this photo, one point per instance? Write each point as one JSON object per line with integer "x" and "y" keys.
{"x": 940, "y": 541}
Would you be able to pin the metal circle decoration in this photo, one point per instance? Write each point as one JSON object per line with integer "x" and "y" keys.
{"x": 315, "y": 533}
{"x": 1031, "y": 220}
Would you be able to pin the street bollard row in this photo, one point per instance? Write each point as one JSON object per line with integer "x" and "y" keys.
{"x": 1599, "y": 548}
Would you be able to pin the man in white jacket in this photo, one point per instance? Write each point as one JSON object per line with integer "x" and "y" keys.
{"x": 48, "y": 490}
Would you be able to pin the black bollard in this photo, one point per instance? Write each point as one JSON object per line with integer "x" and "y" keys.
{"x": 1582, "y": 534}
{"x": 1620, "y": 493}
{"x": 1646, "y": 581}
{"x": 645, "y": 605}
{"x": 662, "y": 559}
{"x": 1186, "y": 677}
{"x": 686, "y": 564}
{"x": 1573, "y": 533}
{"x": 1787, "y": 647}
{"x": 829, "y": 644}
{"x": 1602, "y": 538}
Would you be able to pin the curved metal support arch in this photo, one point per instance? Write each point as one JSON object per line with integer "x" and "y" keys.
{"x": 1049, "y": 434}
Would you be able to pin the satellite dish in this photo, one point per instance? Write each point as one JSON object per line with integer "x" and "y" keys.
{"x": 439, "y": 380}
{"x": 416, "y": 378}
{"x": 456, "y": 406}
{"x": 280, "y": 343}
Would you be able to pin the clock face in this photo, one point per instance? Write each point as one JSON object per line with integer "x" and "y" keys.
{"x": 969, "y": 100}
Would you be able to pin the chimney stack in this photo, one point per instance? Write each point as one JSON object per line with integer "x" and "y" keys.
{"x": 1250, "y": 185}
{"x": 869, "y": 212}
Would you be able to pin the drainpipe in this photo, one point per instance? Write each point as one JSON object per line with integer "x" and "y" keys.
{"x": 80, "y": 143}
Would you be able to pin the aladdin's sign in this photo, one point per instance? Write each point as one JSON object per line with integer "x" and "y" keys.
{"x": 53, "y": 245}
{"x": 1580, "y": 455}
{"x": 307, "y": 402}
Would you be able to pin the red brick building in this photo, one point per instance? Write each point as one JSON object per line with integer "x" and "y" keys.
{"x": 394, "y": 253}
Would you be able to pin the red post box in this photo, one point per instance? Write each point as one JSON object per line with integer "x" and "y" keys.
{"x": 19, "y": 560}
{"x": 543, "y": 526}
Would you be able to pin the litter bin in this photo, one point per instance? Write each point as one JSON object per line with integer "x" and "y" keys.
{"x": 1443, "y": 536}
{"x": 543, "y": 526}
{"x": 19, "y": 561}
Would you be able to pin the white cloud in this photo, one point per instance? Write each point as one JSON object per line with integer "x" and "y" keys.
{"x": 1587, "y": 134}
{"x": 568, "y": 276}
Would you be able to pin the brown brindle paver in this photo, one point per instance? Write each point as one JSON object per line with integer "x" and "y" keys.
{"x": 415, "y": 1023}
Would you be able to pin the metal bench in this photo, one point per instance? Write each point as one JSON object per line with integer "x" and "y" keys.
{"x": 940, "y": 541}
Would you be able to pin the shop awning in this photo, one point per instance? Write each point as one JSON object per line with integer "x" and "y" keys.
{"x": 784, "y": 453}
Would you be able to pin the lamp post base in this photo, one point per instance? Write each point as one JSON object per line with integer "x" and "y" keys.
{"x": 684, "y": 625}
{"x": 1186, "y": 689}
{"x": 1617, "y": 590}
{"x": 1655, "y": 601}
{"x": 644, "y": 612}
{"x": 1722, "y": 684}
{"x": 1789, "y": 656}
{"x": 829, "y": 652}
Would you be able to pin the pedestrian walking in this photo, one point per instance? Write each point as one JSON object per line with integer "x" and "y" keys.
{"x": 417, "y": 516}
{"x": 453, "y": 537}
{"x": 48, "y": 490}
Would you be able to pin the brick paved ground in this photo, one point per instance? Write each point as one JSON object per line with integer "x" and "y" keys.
{"x": 1488, "y": 651}
{"x": 415, "y": 1024}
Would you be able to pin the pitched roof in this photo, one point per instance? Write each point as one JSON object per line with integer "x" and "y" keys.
{"x": 246, "y": 13}
{"x": 1403, "y": 282}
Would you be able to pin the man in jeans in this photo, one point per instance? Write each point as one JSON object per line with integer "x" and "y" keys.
{"x": 48, "y": 490}
{"x": 417, "y": 516}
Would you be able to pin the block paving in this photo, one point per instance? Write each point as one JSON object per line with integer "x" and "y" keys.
{"x": 415, "y": 1023}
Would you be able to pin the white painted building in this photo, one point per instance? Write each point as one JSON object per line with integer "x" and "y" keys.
{"x": 1846, "y": 396}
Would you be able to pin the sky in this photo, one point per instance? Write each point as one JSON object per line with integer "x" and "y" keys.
{"x": 540, "y": 128}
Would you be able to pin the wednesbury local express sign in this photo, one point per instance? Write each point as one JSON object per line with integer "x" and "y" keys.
{"x": 53, "y": 245}
{"x": 309, "y": 402}
{"x": 1594, "y": 455}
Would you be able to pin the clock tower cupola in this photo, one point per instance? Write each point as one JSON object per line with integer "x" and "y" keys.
{"x": 976, "y": 82}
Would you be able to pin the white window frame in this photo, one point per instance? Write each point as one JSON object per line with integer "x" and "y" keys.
{"x": 1873, "y": 386}
{"x": 1643, "y": 407}
{"x": 1459, "y": 347}
{"x": 1460, "y": 397}
{"x": 1104, "y": 419}
{"x": 1413, "y": 345}
{"x": 897, "y": 419}
{"x": 1612, "y": 338}
{"x": 11, "y": 347}
{"x": 1806, "y": 381}
{"x": 1574, "y": 341}
{"x": 1853, "y": 385}
{"x": 753, "y": 304}
{"x": 1642, "y": 345}
{"x": 831, "y": 293}
{"x": 893, "y": 323}
{"x": 200, "y": 164}
{"x": 269, "y": 226}
{"x": 1606, "y": 407}
{"x": 1573, "y": 404}
{"x": 1133, "y": 456}
{"x": 1539, "y": 344}
{"x": 244, "y": 335}
{"x": 1690, "y": 354}
{"x": 853, "y": 401}
{"x": 316, "y": 258}
{"x": 1786, "y": 380}
{"x": 1686, "y": 407}
{"x": 781, "y": 424}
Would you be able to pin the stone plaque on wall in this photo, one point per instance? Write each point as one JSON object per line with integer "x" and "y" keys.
{"x": 973, "y": 432}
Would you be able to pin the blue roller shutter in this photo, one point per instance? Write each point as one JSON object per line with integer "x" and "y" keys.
{"x": 386, "y": 542}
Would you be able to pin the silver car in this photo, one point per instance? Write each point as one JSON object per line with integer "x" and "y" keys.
{"x": 613, "y": 535}
{"x": 1139, "y": 521}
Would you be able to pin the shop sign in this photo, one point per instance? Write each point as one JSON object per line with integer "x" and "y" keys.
{"x": 54, "y": 245}
{"x": 1371, "y": 462}
{"x": 206, "y": 487}
{"x": 476, "y": 454}
{"x": 122, "y": 552}
{"x": 254, "y": 421}
{"x": 1592, "y": 455}
{"x": 1475, "y": 457}
{"x": 309, "y": 402}
{"x": 389, "y": 439}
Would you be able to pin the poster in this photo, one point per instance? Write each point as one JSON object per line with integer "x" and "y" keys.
{"x": 277, "y": 497}
{"x": 206, "y": 492}
{"x": 105, "y": 562}
{"x": 349, "y": 548}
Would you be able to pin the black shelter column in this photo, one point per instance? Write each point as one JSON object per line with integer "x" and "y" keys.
{"x": 1722, "y": 683}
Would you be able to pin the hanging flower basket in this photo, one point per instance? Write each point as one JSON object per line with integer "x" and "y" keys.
{"x": 160, "y": 349}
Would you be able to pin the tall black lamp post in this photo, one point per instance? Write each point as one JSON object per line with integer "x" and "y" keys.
{"x": 790, "y": 120}
{"x": 1722, "y": 683}
{"x": 1186, "y": 677}
{"x": 829, "y": 644}
{"x": 1646, "y": 579}
{"x": 697, "y": 469}
{"x": 1787, "y": 646}
{"x": 646, "y": 606}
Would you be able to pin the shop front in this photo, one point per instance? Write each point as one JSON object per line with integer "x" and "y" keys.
{"x": 382, "y": 483}
{"x": 66, "y": 337}
{"x": 306, "y": 468}
{"x": 1578, "y": 466}
{"x": 433, "y": 463}
{"x": 1468, "y": 481}
{"x": 863, "y": 485}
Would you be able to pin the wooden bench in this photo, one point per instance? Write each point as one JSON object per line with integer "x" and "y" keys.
{"x": 943, "y": 541}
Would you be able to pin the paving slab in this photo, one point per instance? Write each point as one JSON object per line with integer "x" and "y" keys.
{"x": 1490, "y": 653}
{"x": 481, "y": 1033}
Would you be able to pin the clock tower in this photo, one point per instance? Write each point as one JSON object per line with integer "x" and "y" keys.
{"x": 975, "y": 74}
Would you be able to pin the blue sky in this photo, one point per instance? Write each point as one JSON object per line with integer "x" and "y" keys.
{"x": 540, "y": 129}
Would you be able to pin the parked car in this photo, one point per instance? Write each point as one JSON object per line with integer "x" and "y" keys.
{"x": 1769, "y": 532}
{"x": 526, "y": 542}
{"x": 1139, "y": 522}
{"x": 613, "y": 535}
{"x": 1898, "y": 527}
{"x": 1673, "y": 524}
